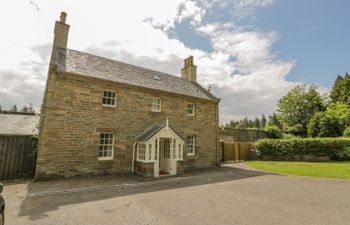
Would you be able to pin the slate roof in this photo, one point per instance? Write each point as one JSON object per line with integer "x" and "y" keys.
{"x": 76, "y": 62}
{"x": 149, "y": 132}
{"x": 15, "y": 124}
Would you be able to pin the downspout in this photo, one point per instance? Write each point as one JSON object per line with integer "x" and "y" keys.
{"x": 133, "y": 158}
{"x": 217, "y": 134}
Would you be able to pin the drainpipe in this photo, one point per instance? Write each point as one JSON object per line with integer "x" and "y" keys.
{"x": 217, "y": 134}
{"x": 133, "y": 158}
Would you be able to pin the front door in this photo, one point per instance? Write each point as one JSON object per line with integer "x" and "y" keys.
{"x": 165, "y": 157}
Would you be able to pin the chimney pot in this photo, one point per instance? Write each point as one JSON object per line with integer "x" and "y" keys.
{"x": 190, "y": 61}
{"x": 63, "y": 17}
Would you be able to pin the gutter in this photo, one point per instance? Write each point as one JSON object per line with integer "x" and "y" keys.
{"x": 133, "y": 158}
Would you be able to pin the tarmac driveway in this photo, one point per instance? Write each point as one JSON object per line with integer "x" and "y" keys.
{"x": 232, "y": 194}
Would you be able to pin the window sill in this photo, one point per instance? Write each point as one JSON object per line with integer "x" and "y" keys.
{"x": 191, "y": 155}
{"x": 105, "y": 158}
{"x": 141, "y": 161}
{"x": 109, "y": 106}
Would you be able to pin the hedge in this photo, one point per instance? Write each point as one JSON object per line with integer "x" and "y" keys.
{"x": 277, "y": 149}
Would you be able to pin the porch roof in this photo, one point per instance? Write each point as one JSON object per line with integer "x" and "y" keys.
{"x": 150, "y": 131}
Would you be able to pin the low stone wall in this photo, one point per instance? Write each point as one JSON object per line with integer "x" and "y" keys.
{"x": 144, "y": 169}
{"x": 180, "y": 168}
{"x": 241, "y": 135}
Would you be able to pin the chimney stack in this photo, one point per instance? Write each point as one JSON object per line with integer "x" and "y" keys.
{"x": 61, "y": 32}
{"x": 189, "y": 71}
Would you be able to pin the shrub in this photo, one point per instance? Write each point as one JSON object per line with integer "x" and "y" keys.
{"x": 334, "y": 148}
{"x": 289, "y": 136}
{"x": 347, "y": 132}
{"x": 323, "y": 124}
{"x": 273, "y": 132}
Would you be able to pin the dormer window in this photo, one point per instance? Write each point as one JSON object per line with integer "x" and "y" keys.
{"x": 155, "y": 104}
{"x": 109, "y": 98}
{"x": 190, "y": 109}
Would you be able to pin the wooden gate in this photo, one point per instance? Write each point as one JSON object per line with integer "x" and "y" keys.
{"x": 17, "y": 159}
{"x": 237, "y": 151}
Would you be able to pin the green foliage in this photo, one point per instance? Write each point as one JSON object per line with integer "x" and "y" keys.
{"x": 346, "y": 132}
{"x": 35, "y": 143}
{"x": 288, "y": 136}
{"x": 297, "y": 107}
{"x": 273, "y": 132}
{"x": 325, "y": 124}
{"x": 341, "y": 90}
{"x": 247, "y": 123}
{"x": 263, "y": 120}
{"x": 334, "y": 148}
{"x": 341, "y": 112}
{"x": 274, "y": 121}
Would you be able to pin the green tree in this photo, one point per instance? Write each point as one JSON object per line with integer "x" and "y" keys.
{"x": 323, "y": 124}
{"x": 274, "y": 121}
{"x": 296, "y": 108}
{"x": 263, "y": 120}
{"x": 257, "y": 123}
{"x": 341, "y": 90}
{"x": 341, "y": 112}
{"x": 273, "y": 132}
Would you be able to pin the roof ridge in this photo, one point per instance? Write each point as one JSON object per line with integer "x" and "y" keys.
{"x": 129, "y": 64}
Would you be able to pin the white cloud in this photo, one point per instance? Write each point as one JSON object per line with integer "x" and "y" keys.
{"x": 241, "y": 69}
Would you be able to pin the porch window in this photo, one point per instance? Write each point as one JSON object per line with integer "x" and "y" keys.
{"x": 106, "y": 147}
{"x": 190, "y": 109}
{"x": 149, "y": 151}
{"x": 174, "y": 149}
{"x": 190, "y": 144}
{"x": 155, "y": 105}
{"x": 109, "y": 98}
{"x": 156, "y": 149}
{"x": 141, "y": 152}
{"x": 180, "y": 152}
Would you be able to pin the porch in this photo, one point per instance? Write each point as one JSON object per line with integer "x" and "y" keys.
{"x": 158, "y": 151}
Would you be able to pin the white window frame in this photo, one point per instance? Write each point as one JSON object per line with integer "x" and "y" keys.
{"x": 156, "y": 149}
{"x": 149, "y": 150}
{"x": 180, "y": 151}
{"x": 156, "y": 107}
{"x": 141, "y": 152}
{"x": 110, "y": 98}
{"x": 193, "y": 146}
{"x": 174, "y": 148}
{"x": 103, "y": 145}
{"x": 193, "y": 109}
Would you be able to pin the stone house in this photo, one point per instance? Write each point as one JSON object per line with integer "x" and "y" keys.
{"x": 101, "y": 116}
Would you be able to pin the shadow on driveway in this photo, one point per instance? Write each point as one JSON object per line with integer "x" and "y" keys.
{"x": 43, "y": 197}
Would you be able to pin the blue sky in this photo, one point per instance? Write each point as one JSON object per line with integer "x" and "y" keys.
{"x": 315, "y": 33}
{"x": 250, "y": 52}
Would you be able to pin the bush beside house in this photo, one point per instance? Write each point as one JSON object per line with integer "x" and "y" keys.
{"x": 304, "y": 149}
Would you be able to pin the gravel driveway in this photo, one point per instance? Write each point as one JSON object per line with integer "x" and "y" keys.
{"x": 232, "y": 194}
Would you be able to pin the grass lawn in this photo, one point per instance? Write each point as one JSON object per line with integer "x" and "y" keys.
{"x": 323, "y": 169}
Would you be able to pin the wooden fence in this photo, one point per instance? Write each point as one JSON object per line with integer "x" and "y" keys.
{"x": 237, "y": 151}
{"x": 17, "y": 159}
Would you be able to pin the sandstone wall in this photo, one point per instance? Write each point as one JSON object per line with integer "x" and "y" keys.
{"x": 74, "y": 117}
